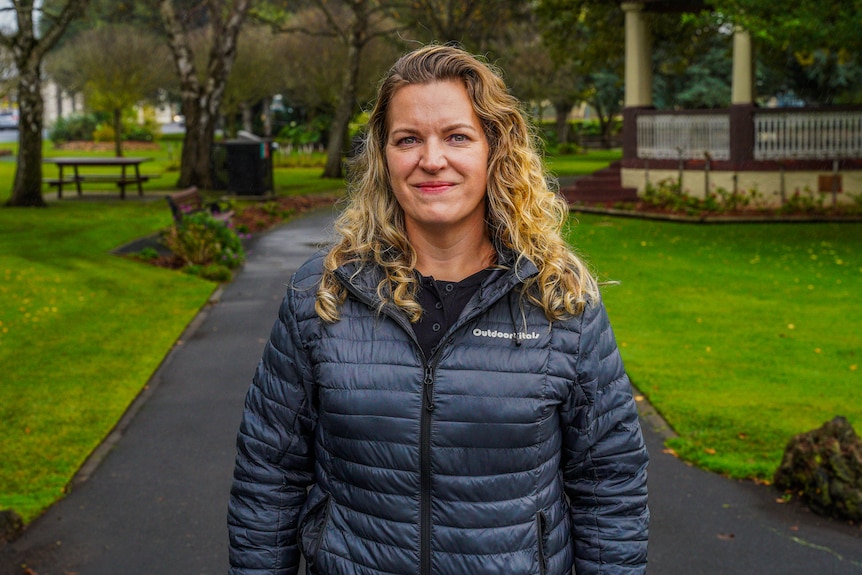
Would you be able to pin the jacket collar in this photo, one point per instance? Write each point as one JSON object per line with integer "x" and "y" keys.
{"x": 362, "y": 279}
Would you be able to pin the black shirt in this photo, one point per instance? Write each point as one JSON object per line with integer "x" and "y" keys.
{"x": 442, "y": 303}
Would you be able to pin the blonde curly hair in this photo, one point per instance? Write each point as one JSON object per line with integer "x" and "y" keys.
{"x": 524, "y": 215}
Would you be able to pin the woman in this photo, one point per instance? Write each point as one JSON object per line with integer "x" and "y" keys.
{"x": 442, "y": 392}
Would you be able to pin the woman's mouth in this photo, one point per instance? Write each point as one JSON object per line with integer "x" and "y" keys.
{"x": 434, "y": 186}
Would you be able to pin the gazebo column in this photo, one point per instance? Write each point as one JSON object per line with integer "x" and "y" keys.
{"x": 742, "y": 99}
{"x": 638, "y": 75}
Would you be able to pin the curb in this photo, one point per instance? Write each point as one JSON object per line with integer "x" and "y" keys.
{"x": 113, "y": 437}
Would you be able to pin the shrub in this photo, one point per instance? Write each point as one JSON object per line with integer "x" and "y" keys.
{"x": 806, "y": 202}
{"x": 76, "y": 127}
{"x": 97, "y": 127}
{"x": 149, "y": 131}
{"x": 104, "y": 133}
{"x": 201, "y": 240}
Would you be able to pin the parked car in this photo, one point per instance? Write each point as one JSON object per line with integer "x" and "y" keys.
{"x": 8, "y": 119}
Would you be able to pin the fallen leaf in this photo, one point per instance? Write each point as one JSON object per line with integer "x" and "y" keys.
{"x": 794, "y": 527}
{"x": 709, "y": 450}
{"x": 742, "y": 436}
{"x": 726, "y": 536}
{"x": 669, "y": 451}
{"x": 639, "y": 398}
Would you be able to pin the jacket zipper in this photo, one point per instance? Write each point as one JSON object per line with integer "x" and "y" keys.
{"x": 425, "y": 472}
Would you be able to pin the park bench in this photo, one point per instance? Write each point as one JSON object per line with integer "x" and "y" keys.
{"x": 125, "y": 177}
{"x": 190, "y": 201}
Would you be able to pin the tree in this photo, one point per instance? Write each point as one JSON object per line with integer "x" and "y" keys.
{"x": 804, "y": 25}
{"x": 28, "y": 50}
{"x": 202, "y": 90}
{"x": 473, "y": 24}
{"x": 255, "y": 75}
{"x": 812, "y": 46}
{"x": 587, "y": 37}
{"x": 355, "y": 23}
{"x": 534, "y": 74}
{"x": 312, "y": 67}
{"x": 117, "y": 66}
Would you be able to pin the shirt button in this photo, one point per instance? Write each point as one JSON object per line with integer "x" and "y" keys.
{"x": 438, "y": 305}
{"x": 436, "y": 327}
{"x": 450, "y": 287}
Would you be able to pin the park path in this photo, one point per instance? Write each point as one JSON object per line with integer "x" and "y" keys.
{"x": 154, "y": 501}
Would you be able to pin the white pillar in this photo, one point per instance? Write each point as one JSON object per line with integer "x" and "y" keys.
{"x": 743, "y": 68}
{"x": 638, "y": 76}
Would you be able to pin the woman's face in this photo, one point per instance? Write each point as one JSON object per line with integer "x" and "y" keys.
{"x": 437, "y": 156}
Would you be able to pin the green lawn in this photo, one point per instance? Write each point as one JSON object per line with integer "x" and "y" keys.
{"x": 582, "y": 164}
{"x": 740, "y": 335}
{"x": 82, "y": 330}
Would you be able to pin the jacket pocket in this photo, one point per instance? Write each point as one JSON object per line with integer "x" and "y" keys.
{"x": 312, "y": 526}
{"x": 542, "y": 539}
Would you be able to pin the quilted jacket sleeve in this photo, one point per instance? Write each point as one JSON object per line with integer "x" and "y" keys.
{"x": 605, "y": 458}
{"x": 274, "y": 463}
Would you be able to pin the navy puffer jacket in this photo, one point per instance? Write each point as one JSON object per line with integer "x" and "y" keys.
{"x": 515, "y": 449}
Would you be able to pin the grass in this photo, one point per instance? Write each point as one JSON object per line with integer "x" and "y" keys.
{"x": 581, "y": 164}
{"x": 82, "y": 330}
{"x": 740, "y": 335}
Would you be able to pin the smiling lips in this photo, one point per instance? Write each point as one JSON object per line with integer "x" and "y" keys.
{"x": 434, "y": 187}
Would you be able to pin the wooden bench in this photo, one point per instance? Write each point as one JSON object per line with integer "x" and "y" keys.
{"x": 190, "y": 201}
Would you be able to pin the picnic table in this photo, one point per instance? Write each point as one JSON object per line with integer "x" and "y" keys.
{"x": 124, "y": 178}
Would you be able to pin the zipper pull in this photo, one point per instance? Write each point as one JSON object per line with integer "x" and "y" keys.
{"x": 429, "y": 388}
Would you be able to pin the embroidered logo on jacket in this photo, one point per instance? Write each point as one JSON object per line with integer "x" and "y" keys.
{"x": 504, "y": 334}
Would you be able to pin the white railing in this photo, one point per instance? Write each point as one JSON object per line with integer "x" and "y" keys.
{"x": 807, "y": 135}
{"x": 688, "y": 137}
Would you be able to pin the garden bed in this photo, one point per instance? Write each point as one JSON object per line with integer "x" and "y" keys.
{"x": 651, "y": 212}
{"x": 247, "y": 222}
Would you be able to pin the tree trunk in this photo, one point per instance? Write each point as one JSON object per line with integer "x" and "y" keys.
{"x": 267, "y": 118}
{"x": 247, "y": 123}
{"x": 201, "y": 100}
{"x": 562, "y": 110}
{"x": 27, "y": 189}
{"x": 197, "y": 144}
{"x": 118, "y": 133}
{"x": 346, "y": 104}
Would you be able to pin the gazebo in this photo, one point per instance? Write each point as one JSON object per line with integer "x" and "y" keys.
{"x": 776, "y": 151}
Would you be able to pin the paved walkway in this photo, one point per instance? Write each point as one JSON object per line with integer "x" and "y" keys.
{"x": 155, "y": 504}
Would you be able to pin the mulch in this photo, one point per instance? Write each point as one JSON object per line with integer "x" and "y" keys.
{"x": 261, "y": 217}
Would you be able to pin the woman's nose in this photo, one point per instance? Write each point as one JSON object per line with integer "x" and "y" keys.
{"x": 433, "y": 156}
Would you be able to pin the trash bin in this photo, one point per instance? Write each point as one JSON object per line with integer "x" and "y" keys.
{"x": 243, "y": 166}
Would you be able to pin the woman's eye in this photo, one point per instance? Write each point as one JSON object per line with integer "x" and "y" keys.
{"x": 458, "y": 138}
{"x": 407, "y": 141}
